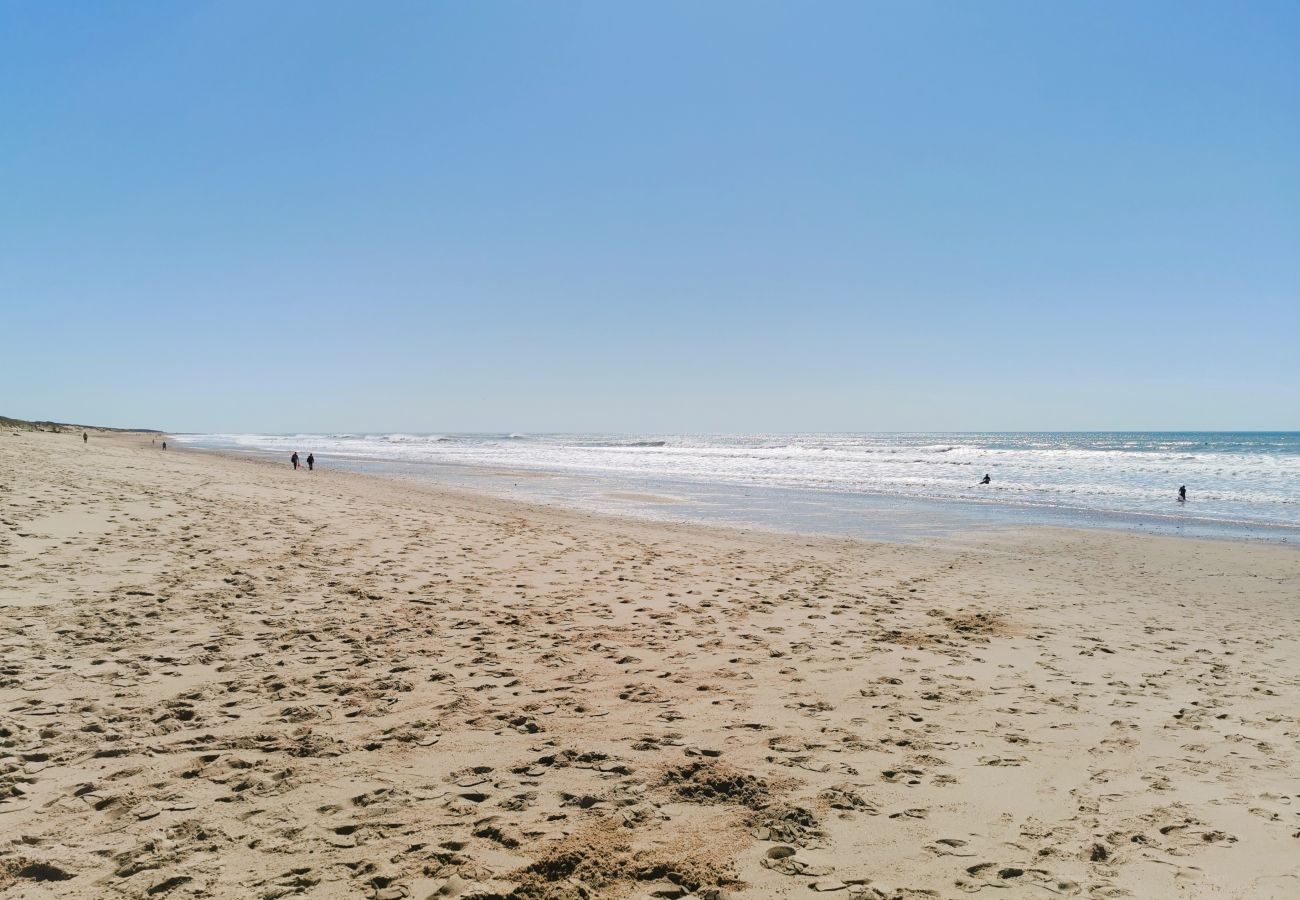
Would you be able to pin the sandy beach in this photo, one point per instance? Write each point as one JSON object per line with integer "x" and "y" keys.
{"x": 222, "y": 678}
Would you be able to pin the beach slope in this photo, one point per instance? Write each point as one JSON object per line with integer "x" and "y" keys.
{"x": 222, "y": 678}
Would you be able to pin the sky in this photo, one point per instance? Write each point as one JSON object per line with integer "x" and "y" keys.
{"x": 651, "y": 216}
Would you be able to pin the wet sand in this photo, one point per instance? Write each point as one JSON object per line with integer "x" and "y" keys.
{"x": 222, "y": 678}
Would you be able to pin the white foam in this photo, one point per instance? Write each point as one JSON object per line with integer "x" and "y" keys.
{"x": 1233, "y": 477}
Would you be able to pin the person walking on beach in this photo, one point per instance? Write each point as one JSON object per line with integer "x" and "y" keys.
{"x": 85, "y": 439}
{"x": 164, "y": 445}
{"x": 294, "y": 459}
{"x": 985, "y": 480}
{"x": 311, "y": 462}
{"x": 1182, "y": 494}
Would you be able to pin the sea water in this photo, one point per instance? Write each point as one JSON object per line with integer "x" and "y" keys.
{"x": 873, "y": 485}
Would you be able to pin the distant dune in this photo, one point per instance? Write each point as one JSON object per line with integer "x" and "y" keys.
{"x": 24, "y": 425}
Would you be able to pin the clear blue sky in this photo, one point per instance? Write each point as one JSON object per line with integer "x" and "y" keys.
{"x": 650, "y": 216}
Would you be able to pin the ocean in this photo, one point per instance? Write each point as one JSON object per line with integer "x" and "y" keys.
{"x": 1244, "y": 484}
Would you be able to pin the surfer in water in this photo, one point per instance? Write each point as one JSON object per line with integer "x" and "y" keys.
{"x": 1182, "y": 494}
{"x": 985, "y": 480}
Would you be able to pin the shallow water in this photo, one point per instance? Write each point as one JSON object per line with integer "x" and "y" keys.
{"x": 876, "y": 486}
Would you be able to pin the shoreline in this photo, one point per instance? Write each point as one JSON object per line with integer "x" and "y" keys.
{"x": 224, "y": 679}
{"x": 934, "y": 519}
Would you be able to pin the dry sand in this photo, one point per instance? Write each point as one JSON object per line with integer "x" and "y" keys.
{"x": 221, "y": 678}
